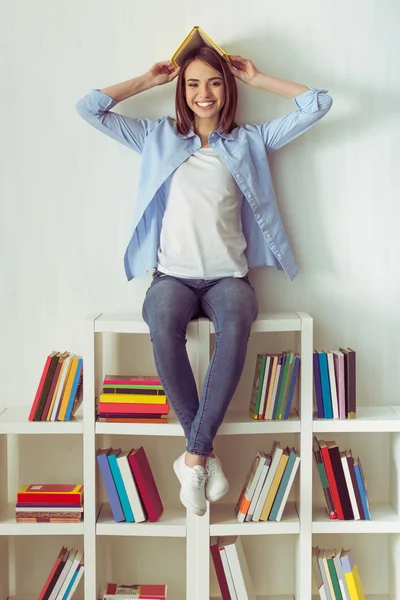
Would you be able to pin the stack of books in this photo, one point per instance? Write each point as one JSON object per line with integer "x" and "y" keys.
{"x": 335, "y": 384}
{"x": 274, "y": 383}
{"x": 117, "y": 591}
{"x": 231, "y": 568}
{"x": 336, "y": 574}
{"x": 130, "y": 485}
{"x": 267, "y": 486}
{"x": 64, "y": 576}
{"x": 60, "y": 390}
{"x": 133, "y": 399}
{"x": 49, "y": 503}
{"x": 343, "y": 482}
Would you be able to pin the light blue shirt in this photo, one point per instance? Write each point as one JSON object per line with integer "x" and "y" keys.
{"x": 244, "y": 152}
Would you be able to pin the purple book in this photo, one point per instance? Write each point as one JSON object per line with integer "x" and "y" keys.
{"x": 109, "y": 484}
{"x": 318, "y": 387}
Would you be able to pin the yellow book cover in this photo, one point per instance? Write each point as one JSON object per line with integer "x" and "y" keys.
{"x": 73, "y": 364}
{"x": 196, "y": 38}
{"x": 53, "y": 399}
{"x": 354, "y": 584}
{"x": 274, "y": 485}
{"x": 132, "y": 399}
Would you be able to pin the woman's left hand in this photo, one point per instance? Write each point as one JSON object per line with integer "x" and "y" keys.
{"x": 243, "y": 68}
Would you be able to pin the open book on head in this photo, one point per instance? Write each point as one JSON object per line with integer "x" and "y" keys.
{"x": 195, "y": 39}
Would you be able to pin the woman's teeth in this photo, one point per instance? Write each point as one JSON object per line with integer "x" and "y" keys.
{"x": 204, "y": 104}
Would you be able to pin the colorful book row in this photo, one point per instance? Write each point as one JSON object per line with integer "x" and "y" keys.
{"x": 268, "y": 484}
{"x": 343, "y": 482}
{"x": 231, "y": 568}
{"x": 64, "y": 576}
{"x": 335, "y": 383}
{"x": 115, "y": 591}
{"x": 336, "y": 574}
{"x": 60, "y": 390}
{"x": 274, "y": 382}
{"x": 130, "y": 485}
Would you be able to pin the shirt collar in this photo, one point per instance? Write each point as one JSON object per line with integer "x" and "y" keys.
{"x": 226, "y": 136}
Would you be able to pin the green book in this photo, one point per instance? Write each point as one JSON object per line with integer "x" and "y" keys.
{"x": 285, "y": 367}
{"x": 333, "y": 574}
{"x": 287, "y": 385}
{"x": 257, "y": 385}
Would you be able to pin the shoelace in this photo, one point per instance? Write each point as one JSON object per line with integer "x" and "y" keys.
{"x": 211, "y": 468}
{"x": 198, "y": 478}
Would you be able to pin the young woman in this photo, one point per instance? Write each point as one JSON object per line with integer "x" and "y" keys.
{"x": 206, "y": 213}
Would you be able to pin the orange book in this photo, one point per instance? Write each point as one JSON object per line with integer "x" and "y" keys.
{"x": 68, "y": 387}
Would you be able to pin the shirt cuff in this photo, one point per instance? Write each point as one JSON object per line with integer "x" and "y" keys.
{"x": 99, "y": 100}
{"x": 308, "y": 101}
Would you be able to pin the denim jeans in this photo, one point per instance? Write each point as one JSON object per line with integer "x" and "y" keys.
{"x": 169, "y": 305}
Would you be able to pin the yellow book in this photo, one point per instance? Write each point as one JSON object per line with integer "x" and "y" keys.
{"x": 352, "y": 575}
{"x": 196, "y": 38}
{"x": 132, "y": 399}
{"x": 274, "y": 485}
{"x": 73, "y": 365}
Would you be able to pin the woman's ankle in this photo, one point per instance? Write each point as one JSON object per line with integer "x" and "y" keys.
{"x": 192, "y": 460}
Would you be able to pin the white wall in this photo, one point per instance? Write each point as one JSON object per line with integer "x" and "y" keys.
{"x": 67, "y": 192}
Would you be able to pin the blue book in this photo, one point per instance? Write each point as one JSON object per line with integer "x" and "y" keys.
{"x": 282, "y": 486}
{"x": 318, "y": 387}
{"x": 73, "y": 390}
{"x": 71, "y": 583}
{"x": 119, "y": 482}
{"x": 292, "y": 386}
{"x": 360, "y": 483}
{"x": 109, "y": 484}
{"x": 325, "y": 385}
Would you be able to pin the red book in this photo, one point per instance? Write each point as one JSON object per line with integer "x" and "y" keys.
{"x": 331, "y": 478}
{"x": 145, "y": 592}
{"x": 145, "y": 482}
{"x": 219, "y": 569}
{"x": 52, "y": 572}
{"x": 136, "y": 409}
{"x": 50, "y": 494}
{"x": 40, "y": 386}
{"x": 131, "y": 380}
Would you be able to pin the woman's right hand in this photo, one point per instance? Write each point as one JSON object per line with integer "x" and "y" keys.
{"x": 163, "y": 72}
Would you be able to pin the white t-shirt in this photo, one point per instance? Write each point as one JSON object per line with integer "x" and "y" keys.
{"x": 201, "y": 234}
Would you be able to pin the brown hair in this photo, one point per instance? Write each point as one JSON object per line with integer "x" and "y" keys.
{"x": 184, "y": 114}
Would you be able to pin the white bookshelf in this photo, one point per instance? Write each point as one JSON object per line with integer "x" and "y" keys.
{"x": 175, "y": 550}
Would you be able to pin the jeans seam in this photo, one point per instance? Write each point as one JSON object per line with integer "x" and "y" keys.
{"x": 209, "y": 376}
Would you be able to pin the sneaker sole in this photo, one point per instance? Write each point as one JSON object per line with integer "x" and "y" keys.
{"x": 186, "y": 503}
{"x": 220, "y": 496}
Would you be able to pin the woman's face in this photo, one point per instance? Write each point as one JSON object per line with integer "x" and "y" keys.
{"x": 204, "y": 88}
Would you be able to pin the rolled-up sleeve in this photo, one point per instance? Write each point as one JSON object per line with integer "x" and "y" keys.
{"x": 95, "y": 108}
{"x": 312, "y": 105}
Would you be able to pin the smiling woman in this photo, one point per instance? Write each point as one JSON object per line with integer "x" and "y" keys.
{"x": 205, "y": 215}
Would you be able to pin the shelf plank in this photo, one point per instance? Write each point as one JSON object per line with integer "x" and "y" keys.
{"x": 369, "y": 419}
{"x": 133, "y": 323}
{"x": 9, "y": 526}
{"x": 15, "y": 420}
{"x": 172, "y": 523}
{"x": 223, "y": 522}
{"x": 384, "y": 520}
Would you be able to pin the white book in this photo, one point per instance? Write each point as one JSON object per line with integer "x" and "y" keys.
{"x": 75, "y": 564}
{"x": 250, "y": 485}
{"x": 274, "y": 389}
{"x": 350, "y": 487}
{"x": 131, "y": 488}
{"x": 239, "y": 569}
{"x": 46, "y": 509}
{"x": 258, "y": 489}
{"x": 264, "y": 387}
{"x": 288, "y": 488}
{"x": 276, "y": 457}
{"x": 227, "y": 571}
{"x": 317, "y": 573}
{"x": 76, "y": 582}
{"x": 63, "y": 574}
{"x": 341, "y": 577}
{"x": 332, "y": 382}
{"x": 61, "y": 386}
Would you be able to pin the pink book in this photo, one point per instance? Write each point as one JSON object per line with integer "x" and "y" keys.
{"x": 338, "y": 359}
{"x": 52, "y": 572}
{"x": 145, "y": 482}
{"x": 219, "y": 569}
{"x": 133, "y": 409}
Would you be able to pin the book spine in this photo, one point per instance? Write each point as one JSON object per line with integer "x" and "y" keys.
{"x": 119, "y": 484}
{"x": 282, "y": 487}
{"x": 332, "y": 385}
{"x": 46, "y": 388}
{"x": 317, "y": 386}
{"x": 292, "y": 386}
{"x": 326, "y": 392}
{"x": 324, "y": 480}
{"x": 341, "y": 483}
{"x": 111, "y": 489}
{"x": 332, "y": 482}
{"x": 136, "y": 409}
{"x": 219, "y": 570}
{"x": 74, "y": 389}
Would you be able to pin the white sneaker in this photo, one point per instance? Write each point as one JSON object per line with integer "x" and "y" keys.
{"x": 193, "y": 481}
{"x": 217, "y": 484}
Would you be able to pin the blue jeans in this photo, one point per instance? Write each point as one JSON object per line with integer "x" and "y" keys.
{"x": 169, "y": 305}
